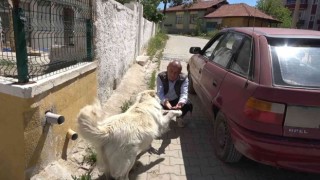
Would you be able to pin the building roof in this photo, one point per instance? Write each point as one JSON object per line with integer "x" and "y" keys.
{"x": 200, "y": 5}
{"x": 239, "y": 10}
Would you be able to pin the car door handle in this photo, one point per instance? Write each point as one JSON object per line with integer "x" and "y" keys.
{"x": 214, "y": 83}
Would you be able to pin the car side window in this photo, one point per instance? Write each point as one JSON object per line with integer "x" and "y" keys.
{"x": 210, "y": 49}
{"x": 225, "y": 50}
{"x": 241, "y": 63}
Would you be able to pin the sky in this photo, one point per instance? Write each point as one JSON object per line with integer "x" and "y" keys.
{"x": 249, "y": 2}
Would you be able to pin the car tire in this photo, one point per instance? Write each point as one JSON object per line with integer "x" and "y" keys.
{"x": 223, "y": 145}
{"x": 190, "y": 87}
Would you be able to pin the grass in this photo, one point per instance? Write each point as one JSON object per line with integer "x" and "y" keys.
{"x": 156, "y": 43}
{"x": 86, "y": 176}
{"x": 155, "y": 49}
{"x": 126, "y": 105}
{"x": 90, "y": 158}
{"x": 159, "y": 57}
{"x": 152, "y": 82}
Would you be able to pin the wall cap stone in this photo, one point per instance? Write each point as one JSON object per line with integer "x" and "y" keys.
{"x": 44, "y": 84}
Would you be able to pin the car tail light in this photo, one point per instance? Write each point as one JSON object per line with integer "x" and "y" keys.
{"x": 264, "y": 111}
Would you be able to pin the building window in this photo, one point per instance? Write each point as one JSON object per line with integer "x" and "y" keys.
{"x": 43, "y": 16}
{"x": 301, "y": 14}
{"x": 68, "y": 23}
{"x": 301, "y": 2}
{"x": 179, "y": 19}
{"x": 291, "y": 1}
{"x": 312, "y": 18}
{"x": 193, "y": 18}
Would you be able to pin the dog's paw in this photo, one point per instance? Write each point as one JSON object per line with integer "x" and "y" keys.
{"x": 178, "y": 112}
{"x": 152, "y": 150}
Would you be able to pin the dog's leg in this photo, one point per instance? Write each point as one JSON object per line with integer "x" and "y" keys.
{"x": 122, "y": 161}
{"x": 103, "y": 158}
{"x": 128, "y": 166}
{"x": 171, "y": 114}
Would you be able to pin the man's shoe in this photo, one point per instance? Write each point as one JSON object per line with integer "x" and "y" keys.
{"x": 180, "y": 122}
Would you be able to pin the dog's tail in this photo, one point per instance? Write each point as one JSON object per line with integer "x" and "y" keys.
{"x": 87, "y": 123}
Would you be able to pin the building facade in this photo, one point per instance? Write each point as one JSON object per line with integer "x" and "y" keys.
{"x": 204, "y": 16}
{"x": 308, "y": 15}
{"x": 189, "y": 18}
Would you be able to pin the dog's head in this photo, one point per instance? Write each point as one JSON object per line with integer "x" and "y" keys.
{"x": 147, "y": 95}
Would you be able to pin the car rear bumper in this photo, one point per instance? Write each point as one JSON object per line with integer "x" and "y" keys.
{"x": 289, "y": 153}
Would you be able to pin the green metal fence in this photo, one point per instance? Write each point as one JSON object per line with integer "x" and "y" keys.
{"x": 39, "y": 37}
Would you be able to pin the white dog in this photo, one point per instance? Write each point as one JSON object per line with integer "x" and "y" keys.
{"x": 119, "y": 139}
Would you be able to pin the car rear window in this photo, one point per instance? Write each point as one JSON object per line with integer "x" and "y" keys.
{"x": 296, "y": 62}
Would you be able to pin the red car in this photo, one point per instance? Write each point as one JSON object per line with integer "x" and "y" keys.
{"x": 262, "y": 88}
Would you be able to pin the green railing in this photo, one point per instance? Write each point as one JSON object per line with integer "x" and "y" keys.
{"x": 40, "y": 37}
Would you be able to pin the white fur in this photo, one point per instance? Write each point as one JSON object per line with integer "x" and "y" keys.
{"x": 119, "y": 139}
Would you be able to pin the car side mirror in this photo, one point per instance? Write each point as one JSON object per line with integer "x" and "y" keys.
{"x": 194, "y": 50}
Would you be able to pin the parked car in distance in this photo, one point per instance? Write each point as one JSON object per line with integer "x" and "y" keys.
{"x": 262, "y": 89}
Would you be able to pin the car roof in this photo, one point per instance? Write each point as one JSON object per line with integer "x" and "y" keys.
{"x": 278, "y": 32}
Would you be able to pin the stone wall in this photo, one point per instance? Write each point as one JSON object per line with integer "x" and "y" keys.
{"x": 121, "y": 35}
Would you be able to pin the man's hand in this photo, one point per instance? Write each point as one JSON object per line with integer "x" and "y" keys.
{"x": 167, "y": 104}
{"x": 178, "y": 106}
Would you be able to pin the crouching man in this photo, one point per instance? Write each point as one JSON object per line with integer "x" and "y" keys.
{"x": 172, "y": 89}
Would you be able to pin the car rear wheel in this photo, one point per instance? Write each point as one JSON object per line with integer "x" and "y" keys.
{"x": 223, "y": 145}
{"x": 190, "y": 87}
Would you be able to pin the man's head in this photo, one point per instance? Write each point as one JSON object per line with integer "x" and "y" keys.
{"x": 174, "y": 68}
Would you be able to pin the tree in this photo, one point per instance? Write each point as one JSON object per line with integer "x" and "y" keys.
{"x": 176, "y": 3}
{"x": 276, "y": 9}
{"x": 172, "y": 4}
{"x": 150, "y": 10}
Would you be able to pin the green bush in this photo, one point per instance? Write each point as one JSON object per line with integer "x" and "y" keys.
{"x": 152, "y": 83}
{"x": 126, "y": 105}
{"x": 86, "y": 176}
{"x": 90, "y": 158}
{"x": 156, "y": 43}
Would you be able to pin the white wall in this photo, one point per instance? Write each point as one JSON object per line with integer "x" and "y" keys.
{"x": 148, "y": 32}
{"x": 117, "y": 42}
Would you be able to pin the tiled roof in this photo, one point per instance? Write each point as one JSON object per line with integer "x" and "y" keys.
{"x": 238, "y": 10}
{"x": 196, "y": 6}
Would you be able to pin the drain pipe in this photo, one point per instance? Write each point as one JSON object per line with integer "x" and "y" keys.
{"x": 53, "y": 118}
{"x": 71, "y": 134}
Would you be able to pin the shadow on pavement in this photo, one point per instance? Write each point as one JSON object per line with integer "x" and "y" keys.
{"x": 200, "y": 162}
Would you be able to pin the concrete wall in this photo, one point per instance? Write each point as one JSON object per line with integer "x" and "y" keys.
{"x": 148, "y": 32}
{"x": 121, "y": 33}
{"x": 11, "y": 137}
{"x": 28, "y": 144}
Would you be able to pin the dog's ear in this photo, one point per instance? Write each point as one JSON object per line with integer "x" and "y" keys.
{"x": 153, "y": 93}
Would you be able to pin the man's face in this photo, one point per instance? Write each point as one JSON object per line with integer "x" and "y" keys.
{"x": 173, "y": 72}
